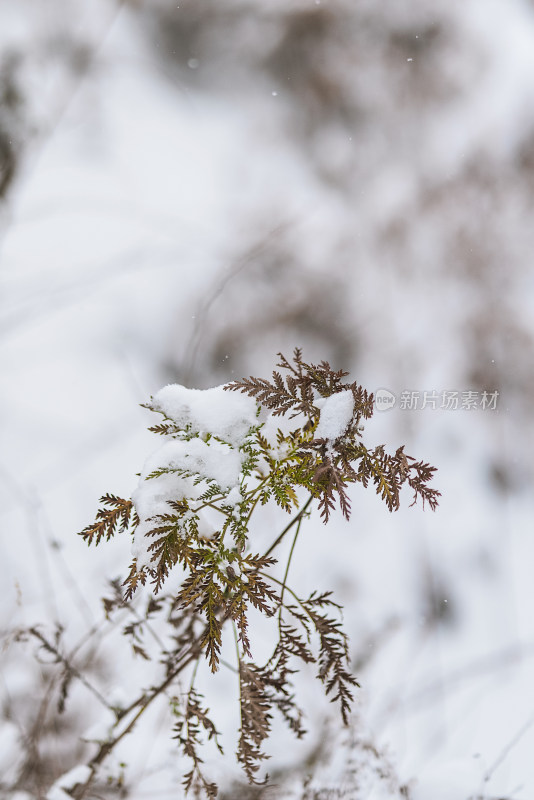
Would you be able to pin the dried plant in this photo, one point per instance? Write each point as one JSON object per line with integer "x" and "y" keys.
{"x": 223, "y": 577}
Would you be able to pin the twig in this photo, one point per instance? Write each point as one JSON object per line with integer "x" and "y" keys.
{"x": 509, "y": 747}
{"x": 68, "y": 666}
{"x": 144, "y": 701}
{"x": 288, "y": 527}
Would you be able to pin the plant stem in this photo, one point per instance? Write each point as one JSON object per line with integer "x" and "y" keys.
{"x": 145, "y": 701}
{"x": 69, "y": 667}
{"x": 287, "y": 569}
{"x": 288, "y": 527}
{"x": 190, "y": 655}
{"x": 290, "y": 590}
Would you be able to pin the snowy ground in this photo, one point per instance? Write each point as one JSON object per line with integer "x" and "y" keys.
{"x": 349, "y": 179}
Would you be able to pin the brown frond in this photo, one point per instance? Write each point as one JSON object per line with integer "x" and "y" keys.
{"x": 133, "y": 579}
{"x": 188, "y": 731}
{"x": 223, "y": 580}
{"x": 202, "y": 592}
{"x": 255, "y": 720}
{"x": 295, "y": 394}
{"x": 118, "y": 515}
{"x": 167, "y": 428}
{"x": 334, "y": 667}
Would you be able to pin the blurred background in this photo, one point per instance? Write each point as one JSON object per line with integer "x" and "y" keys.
{"x": 187, "y": 188}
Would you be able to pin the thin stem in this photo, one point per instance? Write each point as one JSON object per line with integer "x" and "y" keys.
{"x": 146, "y": 623}
{"x": 228, "y": 665}
{"x": 69, "y": 667}
{"x": 106, "y": 748}
{"x": 191, "y": 686}
{"x": 287, "y": 570}
{"x": 210, "y": 504}
{"x": 189, "y": 655}
{"x": 289, "y": 589}
{"x": 509, "y": 747}
{"x": 288, "y": 527}
{"x": 236, "y": 639}
{"x": 248, "y": 496}
{"x": 255, "y": 503}
{"x": 145, "y": 700}
{"x": 193, "y": 677}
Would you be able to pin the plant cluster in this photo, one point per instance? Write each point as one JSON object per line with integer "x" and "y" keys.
{"x": 314, "y": 456}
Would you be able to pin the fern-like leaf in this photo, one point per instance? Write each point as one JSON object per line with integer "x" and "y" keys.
{"x": 116, "y": 516}
{"x": 255, "y": 720}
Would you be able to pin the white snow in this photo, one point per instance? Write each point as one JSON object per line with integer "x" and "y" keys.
{"x": 117, "y": 697}
{"x": 234, "y": 497}
{"x": 228, "y": 415}
{"x": 9, "y": 748}
{"x": 100, "y": 731}
{"x": 336, "y": 414}
{"x": 69, "y": 780}
{"x": 456, "y": 779}
{"x": 150, "y": 498}
{"x": 212, "y": 460}
{"x": 120, "y": 209}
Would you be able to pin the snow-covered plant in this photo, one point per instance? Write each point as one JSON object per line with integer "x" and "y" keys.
{"x": 226, "y": 454}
